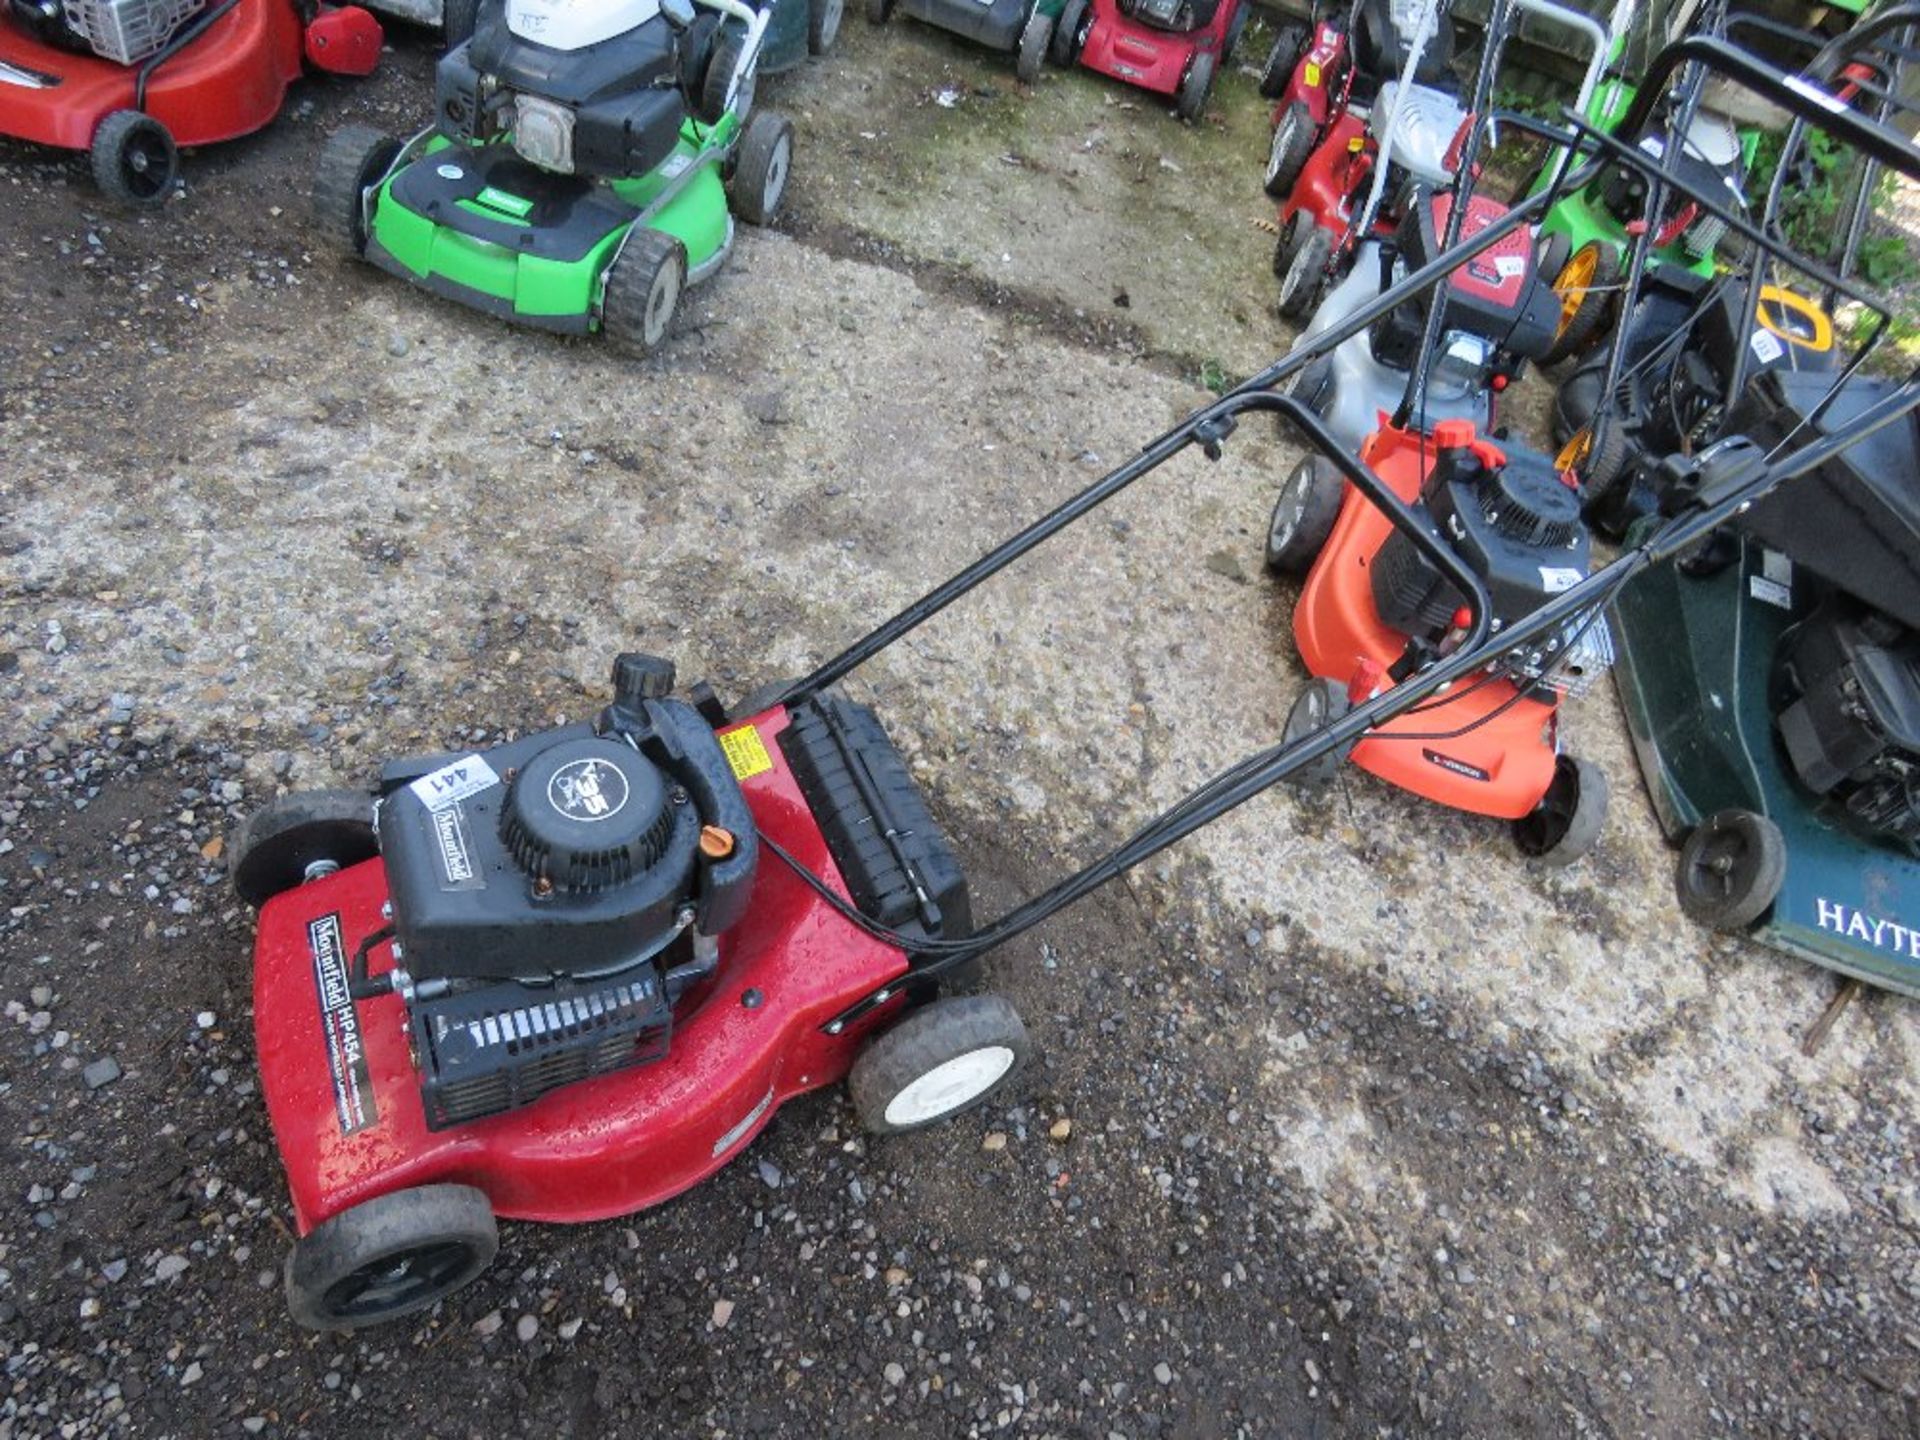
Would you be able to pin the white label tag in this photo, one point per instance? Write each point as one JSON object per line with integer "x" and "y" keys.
{"x": 455, "y": 781}
{"x": 1771, "y": 591}
{"x": 674, "y": 164}
{"x": 1767, "y": 346}
{"x": 1556, "y": 578}
{"x": 1776, "y": 566}
{"x": 1510, "y": 267}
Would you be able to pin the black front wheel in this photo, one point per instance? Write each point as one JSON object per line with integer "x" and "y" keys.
{"x": 355, "y": 159}
{"x": 1731, "y": 869}
{"x": 1567, "y": 822}
{"x": 390, "y": 1257}
{"x": 1322, "y": 703}
{"x": 133, "y": 158}
{"x": 1287, "y": 154}
{"x": 300, "y": 837}
{"x": 823, "y": 24}
{"x": 1306, "y": 273}
{"x": 1035, "y": 40}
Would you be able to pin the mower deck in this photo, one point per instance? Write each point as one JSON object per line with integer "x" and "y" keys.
{"x": 481, "y": 226}
{"x": 1497, "y": 764}
{"x": 227, "y": 82}
{"x": 1693, "y": 663}
{"x": 343, "y": 1091}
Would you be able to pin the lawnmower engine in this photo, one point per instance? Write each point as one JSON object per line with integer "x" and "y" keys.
{"x": 553, "y": 898}
{"x": 1181, "y": 17}
{"x": 1516, "y": 523}
{"x": 1710, "y": 162}
{"x": 124, "y": 31}
{"x": 598, "y": 89}
{"x": 1847, "y": 704}
{"x": 1497, "y": 314}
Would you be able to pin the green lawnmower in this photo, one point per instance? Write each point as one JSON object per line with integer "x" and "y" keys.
{"x": 579, "y": 171}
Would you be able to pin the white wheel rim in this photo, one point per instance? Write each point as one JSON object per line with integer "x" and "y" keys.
{"x": 830, "y": 22}
{"x": 661, "y": 300}
{"x": 949, "y": 1086}
{"x": 1287, "y": 512}
{"x": 776, "y": 181}
{"x": 1274, "y": 150}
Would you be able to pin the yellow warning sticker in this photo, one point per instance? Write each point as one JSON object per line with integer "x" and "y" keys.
{"x": 1312, "y": 77}
{"x": 746, "y": 752}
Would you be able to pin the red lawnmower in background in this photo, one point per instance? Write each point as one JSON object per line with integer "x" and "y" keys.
{"x": 1175, "y": 47}
{"x": 132, "y": 81}
{"x": 569, "y": 976}
{"x": 1324, "y": 81}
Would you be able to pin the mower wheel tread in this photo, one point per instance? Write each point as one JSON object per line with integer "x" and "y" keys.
{"x": 1289, "y": 44}
{"x": 762, "y": 169}
{"x": 457, "y": 19}
{"x": 1306, "y": 270}
{"x": 274, "y": 846}
{"x": 823, "y": 24}
{"x": 716, "y": 85}
{"x": 636, "y": 309}
{"x": 1036, "y": 39}
{"x": 1322, "y": 703}
{"x": 1066, "y": 33}
{"x": 1304, "y": 511}
{"x": 354, "y": 157}
{"x": 1731, "y": 869}
{"x": 977, "y": 1038}
{"x": 1196, "y": 88}
{"x": 390, "y": 1256}
{"x": 1288, "y": 152}
{"x": 133, "y": 158}
{"x": 1236, "y": 31}
{"x": 1566, "y": 824}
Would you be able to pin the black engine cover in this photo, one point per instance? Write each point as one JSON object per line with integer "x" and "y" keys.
{"x": 1516, "y": 525}
{"x": 626, "y": 92}
{"x": 1847, "y": 695}
{"x": 568, "y": 853}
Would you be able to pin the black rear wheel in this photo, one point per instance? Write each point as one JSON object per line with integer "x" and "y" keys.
{"x": 1196, "y": 88}
{"x": 389, "y": 1257}
{"x": 1731, "y": 869}
{"x": 1289, "y": 44}
{"x": 299, "y": 837}
{"x": 1068, "y": 33}
{"x": 1307, "y": 271}
{"x": 133, "y": 159}
{"x": 823, "y": 24}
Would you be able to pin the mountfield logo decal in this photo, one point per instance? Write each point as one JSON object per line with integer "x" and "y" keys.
{"x": 353, "y": 1100}
{"x": 1843, "y": 919}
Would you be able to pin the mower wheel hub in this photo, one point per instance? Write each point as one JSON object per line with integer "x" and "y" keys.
{"x": 950, "y": 1085}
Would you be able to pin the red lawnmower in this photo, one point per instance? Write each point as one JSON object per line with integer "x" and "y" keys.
{"x": 131, "y": 81}
{"x": 1175, "y": 47}
{"x": 569, "y": 976}
{"x": 1323, "y": 82}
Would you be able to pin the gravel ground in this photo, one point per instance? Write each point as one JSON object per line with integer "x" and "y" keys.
{"x": 1371, "y": 1129}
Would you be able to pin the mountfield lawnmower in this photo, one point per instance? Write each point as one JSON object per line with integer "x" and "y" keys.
{"x": 578, "y": 173}
{"x": 569, "y": 976}
{"x": 1328, "y": 77}
{"x": 1031, "y": 29}
{"x": 131, "y": 81}
{"x": 1175, "y": 47}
